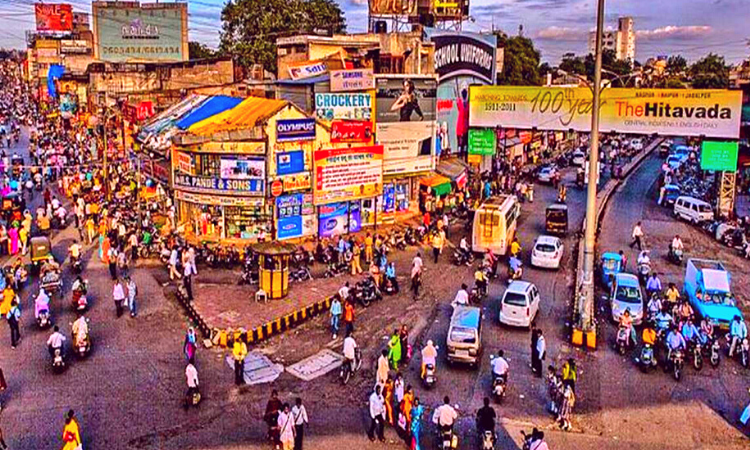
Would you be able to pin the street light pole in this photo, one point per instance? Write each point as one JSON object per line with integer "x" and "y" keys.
{"x": 587, "y": 308}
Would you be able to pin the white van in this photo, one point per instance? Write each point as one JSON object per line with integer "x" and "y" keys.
{"x": 693, "y": 210}
{"x": 520, "y": 304}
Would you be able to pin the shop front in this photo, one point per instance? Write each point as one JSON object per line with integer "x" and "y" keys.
{"x": 215, "y": 217}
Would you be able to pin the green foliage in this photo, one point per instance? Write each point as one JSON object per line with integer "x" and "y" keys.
{"x": 520, "y": 62}
{"x": 250, "y": 27}
{"x": 613, "y": 69}
{"x": 676, "y": 66}
{"x": 710, "y": 72}
{"x": 196, "y": 50}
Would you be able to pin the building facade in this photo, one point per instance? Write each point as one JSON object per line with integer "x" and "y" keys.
{"x": 620, "y": 41}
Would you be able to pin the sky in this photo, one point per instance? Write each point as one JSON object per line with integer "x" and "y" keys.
{"x": 692, "y": 28}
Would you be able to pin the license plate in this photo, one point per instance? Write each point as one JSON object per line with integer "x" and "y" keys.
{"x": 462, "y": 353}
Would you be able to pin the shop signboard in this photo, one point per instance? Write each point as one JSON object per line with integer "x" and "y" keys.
{"x": 307, "y": 69}
{"x": 354, "y": 131}
{"x": 185, "y": 163}
{"x": 290, "y": 162}
{"x": 405, "y": 98}
{"x": 296, "y": 182}
{"x": 128, "y": 31}
{"x": 219, "y": 200}
{"x": 400, "y": 8}
{"x": 214, "y": 185}
{"x": 719, "y": 155}
{"x": 450, "y": 8}
{"x": 348, "y": 173}
{"x": 245, "y": 148}
{"x": 290, "y": 210}
{"x": 53, "y": 16}
{"x": 242, "y": 168}
{"x": 352, "y": 80}
{"x": 713, "y": 113}
{"x": 353, "y": 106}
{"x": 74, "y": 46}
{"x": 339, "y": 218}
{"x": 290, "y": 130}
{"x": 482, "y": 141}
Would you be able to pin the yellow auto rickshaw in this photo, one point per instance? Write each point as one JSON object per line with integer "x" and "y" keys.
{"x": 41, "y": 250}
{"x": 556, "y": 219}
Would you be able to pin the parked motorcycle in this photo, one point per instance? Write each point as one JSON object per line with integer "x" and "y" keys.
{"x": 301, "y": 274}
{"x": 366, "y": 291}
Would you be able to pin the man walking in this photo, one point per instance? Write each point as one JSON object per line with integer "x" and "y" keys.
{"x": 239, "y": 352}
{"x": 299, "y": 413}
{"x": 637, "y": 236}
{"x": 14, "y": 317}
{"x": 132, "y": 291}
{"x": 377, "y": 409}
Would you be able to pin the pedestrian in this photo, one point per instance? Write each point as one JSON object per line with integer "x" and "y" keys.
{"x": 335, "y": 311}
{"x": 541, "y": 348}
{"x": 570, "y": 373}
{"x": 71, "y": 435}
{"x": 239, "y": 352}
{"x": 377, "y": 409}
{"x": 173, "y": 258}
{"x": 368, "y": 248}
{"x": 534, "y": 352}
{"x": 356, "y": 255}
{"x": 566, "y": 409}
{"x": 417, "y": 411}
{"x": 3, "y": 445}
{"x": 187, "y": 281}
{"x": 271, "y": 417}
{"x": 388, "y": 389}
{"x": 189, "y": 347}
{"x": 383, "y": 368}
{"x": 437, "y": 245}
{"x": 132, "y": 292}
{"x": 118, "y": 294}
{"x": 624, "y": 260}
{"x": 14, "y": 319}
{"x": 286, "y": 428}
{"x": 300, "y": 420}
{"x": 403, "y": 335}
{"x": 348, "y": 317}
{"x": 406, "y": 405}
{"x": 637, "y": 236}
{"x": 112, "y": 261}
{"x": 398, "y": 390}
{"x": 446, "y": 224}
{"x": 394, "y": 350}
{"x": 554, "y": 387}
{"x": 3, "y": 386}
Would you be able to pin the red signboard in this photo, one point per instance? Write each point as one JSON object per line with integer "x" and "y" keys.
{"x": 277, "y": 188}
{"x": 144, "y": 110}
{"x": 53, "y": 16}
{"x": 351, "y": 131}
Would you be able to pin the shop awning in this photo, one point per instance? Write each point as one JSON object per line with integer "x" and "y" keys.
{"x": 440, "y": 185}
{"x": 210, "y": 107}
{"x": 171, "y": 114}
{"x": 245, "y": 115}
{"x": 452, "y": 168}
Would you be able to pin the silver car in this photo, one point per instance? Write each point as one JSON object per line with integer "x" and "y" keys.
{"x": 626, "y": 294}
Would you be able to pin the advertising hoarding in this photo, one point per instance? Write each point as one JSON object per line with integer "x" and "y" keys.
{"x": 465, "y": 53}
{"x": 393, "y": 7}
{"x": 292, "y": 212}
{"x": 482, "y": 141}
{"x": 289, "y": 130}
{"x": 74, "y": 46}
{"x": 347, "y": 173}
{"x": 290, "y": 162}
{"x": 53, "y": 16}
{"x": 242, "y": 168}
{"x": 408, "y": 146}
{"x": 333, "y": 106}
{"x": 307, "y": 69}
{"x": 153, "y": 32}
{"x": 405, "y": 99}
{"x": 213, "y": 185}
{"x": 352, "y": 80}
{"x": 719, "y": 155}
{"x": 674, "y": 112}
{"x": 355, "y": 131}
{"x": 339, "y": 218}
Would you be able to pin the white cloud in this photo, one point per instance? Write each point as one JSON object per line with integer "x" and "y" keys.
{"x": 359, "y": 2}
{"x": 674, "y": 32}
{"x": 555, "y": 32}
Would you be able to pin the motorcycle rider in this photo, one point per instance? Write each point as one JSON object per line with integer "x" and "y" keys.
{"x": 480, "y": 281}
{"x": 626, "y": 322}
{"x": 672, "y": 294}
{"x": 514, "y": 265}
{"x": 663, "y": 320}
{"x": 350, "y": 351}
{"x": 689, "y": 332}
{"x": 536, "y": 440}
{"x": 500, "y": 367}
{"x": 649, "y": 336}
{"x": 429, "y": 356}
{"x": 706, "y": 331}
{"x": 55, "y": 341}
{"x": 490, "y": 260}
{"x": 515, "y": 247}
{"x": 654, "y": 306}
{"x": 486, "y": 419}
{"x": 75, "y": 252}
{"x": 675, "y": 341}
{"x": 80, "y": 330}
{"x": 462, "y": 297}
{"x": 445, "y": 415}
{"x": 643, "y": 258}
{"x": 676, "y": 245}
{"x": 737, "y": 332}
{"x": 653, "y": 285}
{"x": 41, "y": 303}
{"x": 191, "y": 374}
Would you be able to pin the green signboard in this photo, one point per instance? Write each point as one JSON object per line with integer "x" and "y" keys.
{"x": 131, "y": 33}
{"x": 719, "y": 155}
{"x": 482, "y": 141}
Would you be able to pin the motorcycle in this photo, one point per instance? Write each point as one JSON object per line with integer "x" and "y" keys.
{"x": 514, "y": 274}
{"x": 697, "y": 354}
{"x": 347, "y": 369}
{"x": 499, "y": 387}
{"x": 77, "y": 266}
{"x": 301, "y": 274}
{"x": 623, "y": 340}
{"x": 676, "y": 363}
{"x": 462, "y": 258}
{"x": 477, "y": 295}
{"x": 647, "y": 360}
{"x": 741, "y": 350}
{"x": 675, "y": 256}
{"x": 714, "y": 352}
{"x": 248, "y": 276}
{"x": 389, "y": 287}
{"x": 43, "y": 319}
{"x": 409, "y": 237}
{"x": 58, "y": 361}
{"x": 488, "y": 440}
{"x": 429, "y": 379}
{"x": 366, "y": 291}
{"x": 447, "y": 439}
{"x": 192, "y": 397}
{"x": 334, "y": 270}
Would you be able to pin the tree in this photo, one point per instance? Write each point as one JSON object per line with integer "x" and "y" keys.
{"x": 710, "y": 72}
{"x": 250, "y": 27}
{"x": 196, "y": 50}
{"x": 573, "y": 64}
{"x": 520, "y": 62}
{"x": 676, "y": 66}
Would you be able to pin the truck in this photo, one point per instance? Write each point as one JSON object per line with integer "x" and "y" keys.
{"x": 707, "y": 287}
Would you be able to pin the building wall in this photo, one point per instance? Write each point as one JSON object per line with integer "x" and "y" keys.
{"x": 210, "y": 74}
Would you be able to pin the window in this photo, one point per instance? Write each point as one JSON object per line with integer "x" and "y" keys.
{"x": 704, "y": 208}
{"x": 462, "y": 335}
{"x": 489, "y": 220}
{"x": 514, "y": 299}
{"x": 546, "y": 248}
{"x": 628, "y": 294}
{"x": 511, "y": 216}
{"x": 207, "y": 165}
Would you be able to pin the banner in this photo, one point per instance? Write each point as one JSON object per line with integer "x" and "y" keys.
{"x": 290, "y": 162}
{"x": 348, "y": 173}
{"x": 719, "y": 155}
{"x": 288, "y": 130}
{"x": 482, "y": 141}
{"x": 407, "y": 146}
{"x": 405, "y": 99}
{"x": 343, "y": 106}
{"x": 465, "y": 53}
{"x": 339, "y": 218}
{"x": 393, "y": 7}
{"x": 352, "y": 80}
{"x": 671, "y": 112}
{"x": 307, "y": 69}
{"x": 290, "y": 212}
{"x": 242, "y": 168}
{"x": 74, "y": 46}
{"x": 53, "y": 16}
{"x": 214, "y": 185}
{"x": 150, "y": 32}
{"x": 355, "y": 131}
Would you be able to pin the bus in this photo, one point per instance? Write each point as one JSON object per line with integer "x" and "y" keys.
{"x": 495, "y": 224}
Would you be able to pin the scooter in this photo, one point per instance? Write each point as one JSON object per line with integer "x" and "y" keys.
{"x": 192, "y": 397}
{"x": 488, "y": 440}
{"x": 514, "y": 274}
{"x": 675, "y": 256}
{"x": 429, "y": 379}
{"x": 462, "y": 258}
{"x": 447, "y": 439}
{"x": 623, "y": 340}
{"x": 646, "y": 361}
{"x": 43, "y": 319}
{"x": 58, "y": 361}
{"x": 499, "y": 387}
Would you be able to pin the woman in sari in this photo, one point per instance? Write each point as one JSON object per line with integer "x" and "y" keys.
{"x": 416, "y": 423}
{"x": 104, "y": 248}
{"x": 71, "y": 435}
{"x": 13, "y": 240}
{"x": 388, "y": 396}
{"x": 406, "y": 407}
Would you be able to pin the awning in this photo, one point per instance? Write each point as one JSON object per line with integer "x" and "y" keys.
{"x": 452, "y": 168}
{"x": 439, "y": 184}
{"x": 171, "y": 114}
{"x": 210, "y": 107}
{"x": 246, "y": 115}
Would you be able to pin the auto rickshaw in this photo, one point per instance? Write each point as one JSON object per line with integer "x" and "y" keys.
{"x": 671, "y": 192}
{"x": 556, "y": 219}
{"x": 41, "y": 249}
{"x": 611, "y": 265}
{"x": 13, "y": 205}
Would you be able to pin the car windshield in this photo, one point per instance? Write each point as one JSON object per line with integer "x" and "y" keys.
{"x": 611, "y": 264}
{"x": 545, "y": 248}
{"x": 628, "y": 294}
{"x": 720, "y": 299}
{"x": 463, "y": 335}
{"x": 515, "y": 299}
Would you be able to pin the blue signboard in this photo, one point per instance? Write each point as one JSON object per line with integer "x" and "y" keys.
{"x": 289, "y": 205}
{"x": 288, "y": 163}
{"x": 289, "y": 227}
{"x": 339, "y": 218}
{"x": 288, "y": 130}
{"x": 252, "y": 186}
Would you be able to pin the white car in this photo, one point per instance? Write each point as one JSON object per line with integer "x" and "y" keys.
{"x": 520, "y": 304}
{"x": 578, "y": 158}
{"x": 636, "y": 144}
{"x": 547, "y": 174}
{"x": 547, "y": 252}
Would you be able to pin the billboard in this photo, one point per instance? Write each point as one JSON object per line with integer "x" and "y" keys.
{"x": 712, "y": 113}
{"x": 307, "y": 69}
{"x": 332, "y": 106}
{"x": 153, "y": 32}
{"x": 289, "y": 130}
{"x": 719, "y": 155}
{"x": 465, "y": 54}
{"x": 450, "y": 8}
{"x": 393, "y": 7}
{"x": 242, "y": 168}
{"x": 53, "y": 16}
{"x": 347, "y": 173}
{"x": 482, "y": 141}
{"x": 406, "y": 123}
{"x": 339, "y": 218}
{"x": 355, "y": 131}
{"x": 352, "y": 80}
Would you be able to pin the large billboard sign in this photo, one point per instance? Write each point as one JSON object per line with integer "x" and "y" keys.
{"x": 711, "y": 113}
{"x": 393, "y": 7}
{"x": 154, "y": 32}
{"x": 53, "y": 16}
{"x": 347, "y": 173}
{"x": 465, "y": 54}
